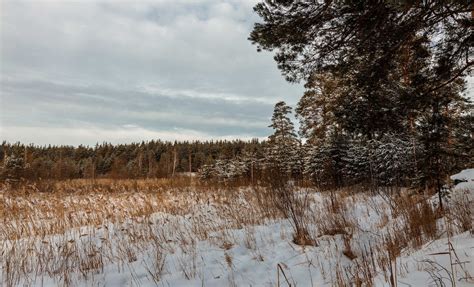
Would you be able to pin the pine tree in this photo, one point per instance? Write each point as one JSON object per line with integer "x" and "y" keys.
{"x": 206, "y": 172}
{"x": 316, "y": 36}
{"x": 316, "y": 164}
{"x": 282, "y": 152}
{"x": 357, "y": 168}
{"x": 253, "y": 161}
{"x": 228, "y": 169}
{"x": 325, "y": 161}
{"x": 316, "y": 109}
{"x": 391, "y": 160}
{"x": 13, "y": 168}
{"x": 399, "y": 68}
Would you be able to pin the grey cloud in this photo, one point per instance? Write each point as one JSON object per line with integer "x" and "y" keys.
{"x": 61, "y": 104}
{"x": 159, "y": 65}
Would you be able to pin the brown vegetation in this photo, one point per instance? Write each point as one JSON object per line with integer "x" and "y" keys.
{"x": 49, "y": 228}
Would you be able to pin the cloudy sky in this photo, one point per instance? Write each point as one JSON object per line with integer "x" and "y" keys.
{"x": 81, "y": 72}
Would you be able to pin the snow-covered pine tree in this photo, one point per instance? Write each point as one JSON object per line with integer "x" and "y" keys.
{"x": 282, "y": 153}
{"x": 357, "y": 162}
{"x": 225, "y": 169}
{"x": 392, "y": 160}
{"x": 222, "y": 169}
{"x": 338, "y": 144}
{"x": 316, "y": 164}
{"x": 462, "y": 140}
{"x": 237, "y": 167}
{"x": 253, "y": 161}
{"x": 395, "y": 81}
{"x": 206, "y": 171}
{"x": 325, "y": 160}
{"x": 13, "y": 168}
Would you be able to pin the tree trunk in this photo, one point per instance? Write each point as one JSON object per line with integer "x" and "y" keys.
{"x": 174, "y": 161}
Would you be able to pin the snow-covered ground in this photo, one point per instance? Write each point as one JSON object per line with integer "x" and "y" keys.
{"x": 432, "y": 263}
{"x": 467, "y": 179}
{"x": 211, "y": 245}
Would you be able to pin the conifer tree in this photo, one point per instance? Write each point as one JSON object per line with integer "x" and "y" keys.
{"x": 357, "y": 160}
{"x": 399, "y": 68}
{"x": 317, "y": 108}
{"x": 391, "y": 160}
{"x": 282, "y": 152}
{"x": 13, "y": 168}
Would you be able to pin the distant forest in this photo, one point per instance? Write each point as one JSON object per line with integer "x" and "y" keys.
{"x": 153, "y": 159}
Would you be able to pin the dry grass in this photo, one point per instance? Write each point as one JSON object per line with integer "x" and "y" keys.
{"x": 51, "y": 229}
{"x": 333, "y": 218}
{"x": 294, "y": 204}
{"x": 459, "y": 213}
{"x": 70, "y": 230}
{"x": 413, "y": 223}
{"x": 348, "y": 252}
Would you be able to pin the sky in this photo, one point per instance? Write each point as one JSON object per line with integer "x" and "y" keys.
{"x": 82, "y": 72}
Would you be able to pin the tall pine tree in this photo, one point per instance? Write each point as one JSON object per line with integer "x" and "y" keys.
{"x": 282, "y": 152}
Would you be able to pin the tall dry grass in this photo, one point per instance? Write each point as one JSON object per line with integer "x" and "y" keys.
{"x": 66, "y": 229}
{"x": 70, "y": 230}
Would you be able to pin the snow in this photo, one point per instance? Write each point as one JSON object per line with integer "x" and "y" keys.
{"x": 467, "y": 178}
{"x": 422, "y": 267}
{"x": 249, "y": 255}
{"x": 256, "y": 265}
{"x": 467, "y": 174}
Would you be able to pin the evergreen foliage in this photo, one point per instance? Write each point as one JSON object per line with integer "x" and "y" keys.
{"x": 384, "y": 82}
{"x": 152, "y": 159}
{"x": 283, "y": 149}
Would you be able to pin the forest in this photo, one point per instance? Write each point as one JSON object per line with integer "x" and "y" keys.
{"x": 384, "y": 104}
{"x": 367, "y": 180}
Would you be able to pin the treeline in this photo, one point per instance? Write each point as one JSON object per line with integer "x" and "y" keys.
{"x": 340, "y": 159}
{"x": 385, "y": 84}
{"x": 385, "y": 101}
{"x": 153, "y": 159}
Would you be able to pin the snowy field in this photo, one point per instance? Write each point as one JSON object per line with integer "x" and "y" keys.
{"x": 191, "y": 236}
